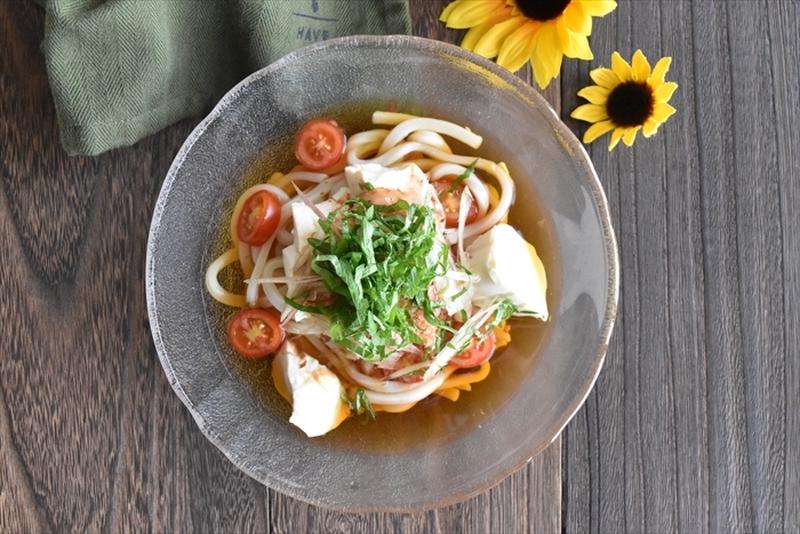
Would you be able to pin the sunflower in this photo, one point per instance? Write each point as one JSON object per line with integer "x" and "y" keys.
{"x": 518, "y": 31}
{"x": 626, "y": 99}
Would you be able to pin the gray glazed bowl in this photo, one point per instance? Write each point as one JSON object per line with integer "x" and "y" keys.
{"x": 439, "y": 452}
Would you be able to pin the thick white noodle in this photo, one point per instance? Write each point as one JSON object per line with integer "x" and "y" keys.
{"x": 278, "y": 192}
{"x": 364, "y": 143}
{"x": 390, "y": 118}
{"x": 369, "y": 383}
{"x": 413, "y": 395}
{"x": 270, "y": 289}
{"x": 431, "y": 138}
{"x": 476, "y": 186}
{"x": 212, "y": 280}
{"x": 246, "y": 255}
{"x": 425, "y": 164}
{"x": 402, "y": 130}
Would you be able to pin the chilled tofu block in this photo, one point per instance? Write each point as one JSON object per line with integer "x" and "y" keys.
{"x": 508, "y": 267}
{"x": 313, "y": 390}
{"x": 410, "y": 183}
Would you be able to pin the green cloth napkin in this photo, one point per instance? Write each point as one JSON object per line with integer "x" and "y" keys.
{"x": 122, "y": 69}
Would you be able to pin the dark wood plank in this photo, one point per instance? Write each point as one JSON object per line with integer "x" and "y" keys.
{"x": 602, "y": 457}
{"x": 760, "y": 247}
{"x": 783, "y": 30}
{"x": 93, "y": 438}
{"x": 689, "y": 428}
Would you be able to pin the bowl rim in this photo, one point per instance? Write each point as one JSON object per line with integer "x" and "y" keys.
{"x": 580, "y": 155}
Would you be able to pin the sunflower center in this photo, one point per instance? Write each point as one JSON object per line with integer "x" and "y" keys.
{"x": 630, "y": 104}
{"x": 542, "y": 10}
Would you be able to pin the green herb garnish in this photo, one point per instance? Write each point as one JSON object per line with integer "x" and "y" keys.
{"x": 378, "y": 261}
{"x": 505, "y": 309}
{"x": 463, "y": 176}
{"x": 360, "y": 404}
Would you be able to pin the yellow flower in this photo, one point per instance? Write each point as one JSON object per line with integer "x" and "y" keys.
{"x": 518, "y": 31}
{"x": 626, "y": 99}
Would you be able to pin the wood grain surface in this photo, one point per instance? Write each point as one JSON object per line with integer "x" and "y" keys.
{"x": 694, "y": 425}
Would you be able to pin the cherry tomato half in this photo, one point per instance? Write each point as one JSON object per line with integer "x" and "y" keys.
{"x": 477, "y": 353}
{"x": 255, "y": 333}
{"x": 259, "y": 218}
{"x": 320, "y": 144}
{"x": 451, "y": 201}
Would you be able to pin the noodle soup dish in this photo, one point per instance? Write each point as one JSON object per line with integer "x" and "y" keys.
{"x": 380, "y": 271}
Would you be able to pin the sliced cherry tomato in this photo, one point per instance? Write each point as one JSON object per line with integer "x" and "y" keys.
{"x": 320, "y": 144}
{"x": 451, "y": 201}
{"x": 255, "y": 333}
{"x": 477, "y": 353}
{"x": 259, "y": 218}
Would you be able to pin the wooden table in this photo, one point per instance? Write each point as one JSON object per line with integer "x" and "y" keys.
{"x": 694, "y": 424}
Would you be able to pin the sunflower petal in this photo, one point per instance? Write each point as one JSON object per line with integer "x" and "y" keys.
{"x": 659, "y": 71}
{"x": 517, "y": 48}
{"x": 579, "y": 47}
{"x": 577, "y": 19}
{"x": 640, "y": 67}
{"x": 475, "y": 34}
{"x": 598, "y": 8}
{"x": 590, "y": 113}
{"x": 616, "y": 135}
{"x": 596, "y": 130}
{"x": 489, "y": 45}
{"x": 650, "y": 127}
{"x": 547, "y": 55}
{"x": 595, "y": 94}
{"x": 471, "y": 13}
{"x": 542, "y": 72}
{"x": 549, "y": 46}
{"x": 563, "y": 32}
{"x": 449, "y": 9}
{"x": 630, "y": 135}
{"x": 662, "y": 111}
{"x": 621, "y": 67}
{"x": 605, "y": 77}
{"x": 664, "y": 92}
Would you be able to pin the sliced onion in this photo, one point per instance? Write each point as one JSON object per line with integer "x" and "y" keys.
{"x": 463, "y": 211}
{"x": 307, "y": 201}
{"x": 258, "y": 269}
{"x": 303, "y": 176}
{"x": 463, "y": 335}
{"x": 410, "y": 369}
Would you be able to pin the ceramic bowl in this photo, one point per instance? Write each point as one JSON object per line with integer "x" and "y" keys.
{"x": 440, "y": 452}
